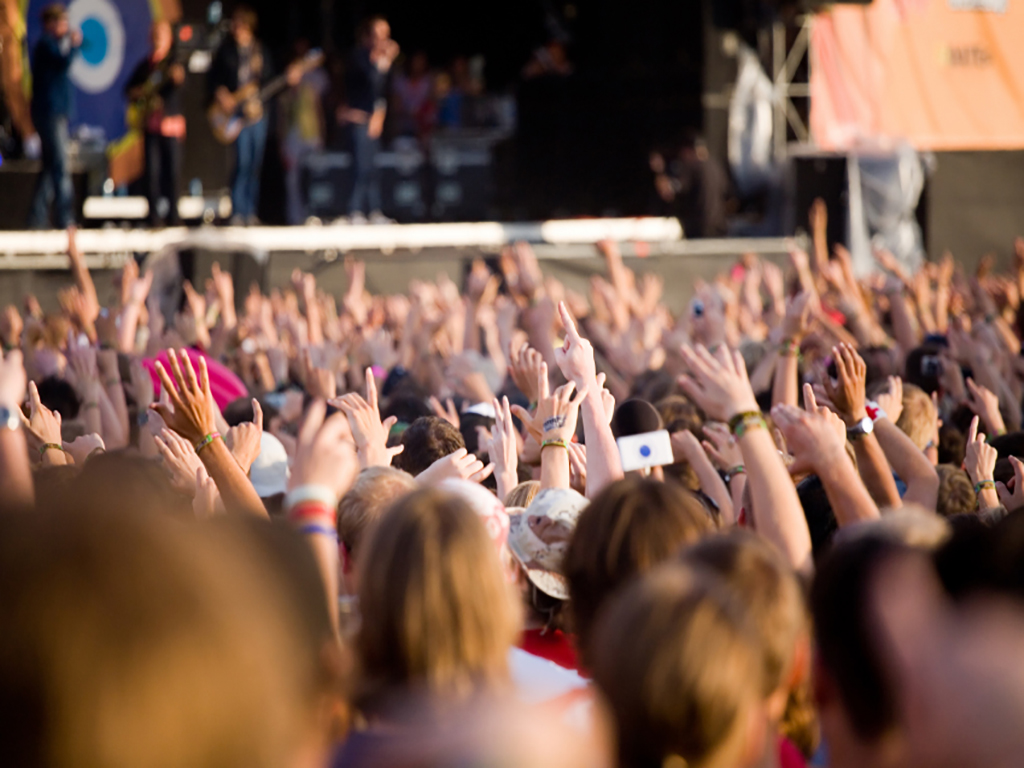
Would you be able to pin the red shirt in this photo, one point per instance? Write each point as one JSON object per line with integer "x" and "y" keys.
{"x": 553, "y": 645}
{"x": 789, "y": 755}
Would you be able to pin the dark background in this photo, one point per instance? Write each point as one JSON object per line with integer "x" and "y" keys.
{"x": 582, "y": 141}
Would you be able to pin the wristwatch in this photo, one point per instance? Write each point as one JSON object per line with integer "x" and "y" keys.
{"x": 9, "y": 418}
{"x": 863, "y": 427}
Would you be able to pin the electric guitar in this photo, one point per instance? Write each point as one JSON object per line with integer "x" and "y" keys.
{"x": 249, "y": 101}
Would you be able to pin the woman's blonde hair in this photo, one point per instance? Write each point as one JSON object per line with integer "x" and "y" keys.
{"x": 681, "y": 669}
{"x": 437, "y": 614}
{"x": 522, "y": 494}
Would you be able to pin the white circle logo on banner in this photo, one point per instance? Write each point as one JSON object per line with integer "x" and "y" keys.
{"x": 99, "y": 63}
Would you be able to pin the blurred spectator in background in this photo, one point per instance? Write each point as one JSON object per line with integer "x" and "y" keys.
{"x": 411, "y": 99}
{"x": 693, "y": 186}
{"x": 550, "y": 59}
{"x": 303, "y": 130}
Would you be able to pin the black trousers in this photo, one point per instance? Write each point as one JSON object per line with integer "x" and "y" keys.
{"x": 163, "y": 169}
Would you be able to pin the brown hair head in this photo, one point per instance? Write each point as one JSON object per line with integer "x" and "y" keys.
{"x": 628, "y": 528}
{"x": 134, "y": 639}
{"x": 426, "y": 440}
{"x": 767, "y": 588}
{"x": 437, "y": 614}
{"x": 361, "y": 507}
{"x": 681, "y": 670}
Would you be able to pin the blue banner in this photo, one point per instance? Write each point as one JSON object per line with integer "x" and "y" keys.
{"x": 115, "y": 38}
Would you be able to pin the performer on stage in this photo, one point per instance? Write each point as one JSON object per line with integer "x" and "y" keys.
{"x": 51, "y": 108}
{"x": 155, "y": 87}
{"x": 241, "y": 61}
{"x": 366, "y": 108}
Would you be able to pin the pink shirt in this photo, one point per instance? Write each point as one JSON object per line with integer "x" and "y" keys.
{"x": 225, "y": 386}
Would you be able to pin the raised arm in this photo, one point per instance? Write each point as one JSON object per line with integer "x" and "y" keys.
{"x": 718, "y": 383}
{"x": 786, "y": 384}
{"x": 907, "y": 460}
{"x": 575, "y": 358}
{"x": 16, "y": 491}
{"x": 848, "y": 397}
{"x": 194, "y": 418}
{"x": 324, "y": 469}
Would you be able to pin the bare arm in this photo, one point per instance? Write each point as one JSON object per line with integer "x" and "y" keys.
{"x": 909, "y": 463}
{"x": 718, "y": 383}
{"x": 16, "y": 490}
{"x": 576, "y": 361}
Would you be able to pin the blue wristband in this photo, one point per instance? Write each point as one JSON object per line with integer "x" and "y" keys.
{"x": 323, "y": 530}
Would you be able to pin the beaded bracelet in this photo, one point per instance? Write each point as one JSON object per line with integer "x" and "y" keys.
{"x": 560, "y": 443}
{"x": 741, "y": 422}
{"x": 982, "y": 485}
{"x": 739, "y": 469}
{"x": 206, "y": 441}
{"x": 50, "y": 447}
{"x": 91, "y": 404}
{"x": 789, "y": 347}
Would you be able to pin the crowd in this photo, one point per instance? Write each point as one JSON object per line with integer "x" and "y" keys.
{"x": 295, "y": 530}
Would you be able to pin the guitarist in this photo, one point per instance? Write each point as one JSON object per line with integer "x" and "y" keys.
{"x": 155, "y": 86}
{"x": 241, "y": 62}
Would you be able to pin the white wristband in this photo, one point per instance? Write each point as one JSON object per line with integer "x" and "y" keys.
{"x": 311, "y": 492}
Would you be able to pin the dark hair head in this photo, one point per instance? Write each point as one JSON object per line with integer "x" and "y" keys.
{"x": 628, "y": 528}
{"x": 634, "y": 417}
{"x": 468, "y": 422}
{"x": 240, "y": 410}
{"x": 920, "y": 370}
{"x": 53, "y": 12}
{"x": 58, "y": 395}
{"x": 426, "y": 440}
{"x": 821, "y": 521}
{"x": 246, "y": 16}
{"x": 846, "y": 637}
{"x": 405, "y": 408}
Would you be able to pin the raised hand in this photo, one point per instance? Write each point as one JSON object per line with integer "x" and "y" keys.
{"x": 559, "y": 413}
{"x": 320, "y": 382}
{"x": 460, "y": 465}
{"x": 891, "y": 401}
{"x": 525, "y": 365}
{"x": 180, "y": 461}
{"x": 42, "y": 427}
{"x": 980, "y": 457}
{"x": 243, "y": 440}
{"x": 324, "y": 452}
{"x": 368, "y": 431}
{"x": 721, "y": 446}
{"x": 985, "y": 403}
{"x": 533, "y": 424}
{"x": 193, "y": 412}
{"x": 718, "y": 383}
{"x": 1013, "y": 500}
{"x": 13, "y": 380}
{"x": 502, "y": 448}
{"x": 575, "y": 358}
{"x": 847, "y": 395}
{"x": 448, "y": 411}
{"x": 798, "y": 314}
{"x": 812, "y": 437}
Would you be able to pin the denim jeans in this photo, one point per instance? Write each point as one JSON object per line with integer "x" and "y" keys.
{"x": 163, "y": 159}
{"x": 54, "y": 179}
{"x": 365, "y": 175}
{"x": 245, "y": 184}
